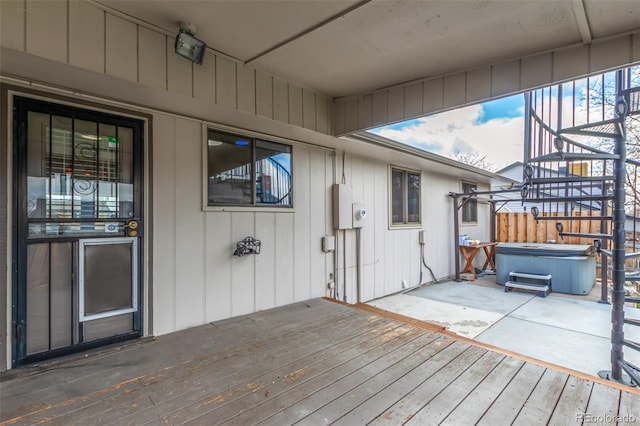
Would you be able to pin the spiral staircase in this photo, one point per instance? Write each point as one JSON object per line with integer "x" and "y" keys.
{"x": 577, "y": 172}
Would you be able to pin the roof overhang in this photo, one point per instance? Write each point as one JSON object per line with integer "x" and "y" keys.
{"x": 376, "y": 146}
{"x": 349, "y": 47}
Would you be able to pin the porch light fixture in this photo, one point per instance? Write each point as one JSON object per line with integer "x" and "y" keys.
{"x": 188, "y": 46}
{"x": 621, "y": 106}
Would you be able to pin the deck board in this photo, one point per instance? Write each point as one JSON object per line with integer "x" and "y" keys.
{"x": 437, "y": 409}
{"x": 604, "y": 401}
{"x": 315, "y": 362}
{"x": 507, "y": 406}
{"x": 292, "y": 375}
{"x": 573, "y": 400}
{"x": 473, "y": 407}
{"x": 542, "y": 401}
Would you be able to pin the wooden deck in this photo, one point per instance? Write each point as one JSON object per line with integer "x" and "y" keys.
{"x": 310, "y": 363}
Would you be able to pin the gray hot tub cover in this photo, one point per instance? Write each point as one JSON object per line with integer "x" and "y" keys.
{"x": 539, "y": 249}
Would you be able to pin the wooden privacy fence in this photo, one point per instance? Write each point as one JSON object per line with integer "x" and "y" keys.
{"x": 523, "y": 228}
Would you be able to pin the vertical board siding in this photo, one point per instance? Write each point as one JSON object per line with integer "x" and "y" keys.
{"x": 351, "y": 113}
{"x": 413, "y": 100}
{"x": 396, "y": 104}
{"x": 308, "y": 110}
{"x": 322, "y": 113}
{"x": 606, "y": 53}
{"x": 369, "y": 231}
{"x": 179, "y": 72}
{"x": 86, "y": 36}
{"x": 204, "y": 78}
{"x": 121, "y": 48}
{"x": 47, "y": 29}
{"x": 265, "y": 278}
{"x": 432, "y": 92}
{"x": 226, "y": 82}
{"x": 380, "y": 222}
{"x": 12, "y": 24}
{"x": 196, "y": 277}
{"x": 365, "y": 112}
{"x": 264, "y": 94}
{"x": 295, "y": 106}
{"x": 537, "y": 70}
{"x": 455, "y": 90}
{"x": 218, "y": 260}
{"x": 152, "y": 63}
{"x": 505, "y": 78}
{"x": 243, "y": 288}
{"x": 329, "y": 259}
{"x": 318, "y": 278}
{"x": 280, "y": 100}
{"x": 570, "y": 63}
{"x": 379, "y": 110}
{"x": 246, "y": 89}
{"x": 302, "y": 199}
{"x": 189, "y": 225}
{"x": 164, "y": 237}
{"x": 479, "y": 84}
{"x": 284, "y": 240}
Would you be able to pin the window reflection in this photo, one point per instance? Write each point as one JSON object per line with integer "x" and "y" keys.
{"x": 246, "y": 171}
{"x": 78, "y": 169}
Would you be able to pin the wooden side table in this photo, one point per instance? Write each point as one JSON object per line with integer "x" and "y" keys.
{"x": 469, "y": 253}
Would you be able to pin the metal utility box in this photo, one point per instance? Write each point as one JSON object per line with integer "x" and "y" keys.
{"x": 572, "y": 266}
{"x": 342, "y": 207}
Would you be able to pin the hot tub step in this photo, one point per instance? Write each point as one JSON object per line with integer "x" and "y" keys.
{"x": 543, "y": 289}
{"x": 528, "y": 281}
{"x": 530, "y": 276}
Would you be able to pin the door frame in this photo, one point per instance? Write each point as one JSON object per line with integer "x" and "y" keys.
{"x": 8, "y": 158}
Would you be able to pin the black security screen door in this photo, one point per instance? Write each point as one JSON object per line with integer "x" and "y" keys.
{"x": 78, "y": 216}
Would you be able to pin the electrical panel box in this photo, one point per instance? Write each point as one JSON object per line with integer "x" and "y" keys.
{"x": 342, "y": 206}
{"x": 422, "y": 239}
{"x": 359, "y": 215}
{"x": 328, "y": 243}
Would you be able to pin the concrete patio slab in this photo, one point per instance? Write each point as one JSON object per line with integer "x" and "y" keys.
{"x": 487, "y": 298}
{"x": 576, "y": 315}
{"x": 465, "y": 321}
{"x": 572, "y": 349}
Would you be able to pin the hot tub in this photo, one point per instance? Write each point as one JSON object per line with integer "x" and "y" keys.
{"x": 572, "y": 266}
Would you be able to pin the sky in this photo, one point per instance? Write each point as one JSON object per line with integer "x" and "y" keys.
{"x": 495, "y": 129}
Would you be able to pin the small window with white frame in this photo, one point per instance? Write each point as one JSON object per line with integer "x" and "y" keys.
{"x": 247, "y": 171}
{"x": 470, "y": 208}
{"x": 405, "y": 198}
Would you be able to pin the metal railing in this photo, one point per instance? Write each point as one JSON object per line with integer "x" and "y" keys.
{"x": 576, "y": 165}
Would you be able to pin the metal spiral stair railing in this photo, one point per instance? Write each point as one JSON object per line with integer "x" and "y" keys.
{"x": 577, "y": 172}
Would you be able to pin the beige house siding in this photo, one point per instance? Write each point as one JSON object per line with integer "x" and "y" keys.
{"x": 81, "y": 34}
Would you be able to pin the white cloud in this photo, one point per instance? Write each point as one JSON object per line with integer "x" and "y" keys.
{"x": 501, "y": 140}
